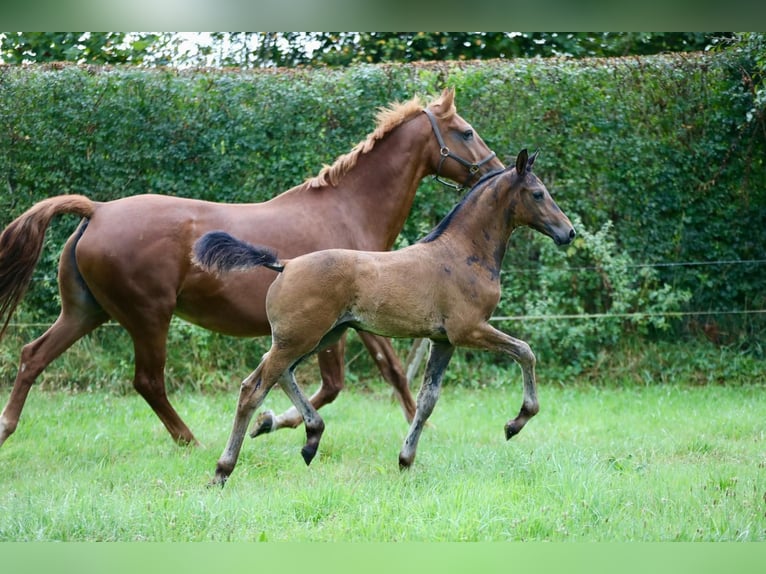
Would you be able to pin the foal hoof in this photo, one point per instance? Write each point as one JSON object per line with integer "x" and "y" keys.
{"x": 308, "y": 453}
{"x": 215, "y": 482}
{"x": 512, "y": 428}
{"x": 218, "y": 480}
{"x": 263, "y": 424}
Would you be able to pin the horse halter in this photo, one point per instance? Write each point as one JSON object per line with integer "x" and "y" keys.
{"x": 445, "y": 152}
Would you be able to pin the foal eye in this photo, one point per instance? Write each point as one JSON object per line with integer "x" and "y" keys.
{"x": 468, "y": 135}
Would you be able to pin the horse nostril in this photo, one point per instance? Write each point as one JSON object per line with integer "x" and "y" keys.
{"x": 572, "y": 234}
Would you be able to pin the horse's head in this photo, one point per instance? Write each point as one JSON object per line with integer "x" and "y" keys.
{"x": 459, "y": 153}
{"x": 535, "y": 206}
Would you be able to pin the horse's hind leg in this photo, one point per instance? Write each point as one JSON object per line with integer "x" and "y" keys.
{"x": 439, "y": 358}
{"x": 390, "y": 367}
{"x": 37, "y": 355}
{"x": 149, "y": 379}
{"x": 332, "y": 369}
{"x": 313, "y": 422}
{"x": 251, "y": 394}
{"x": 80, "y": 314}
{"x": 146, "y": 317}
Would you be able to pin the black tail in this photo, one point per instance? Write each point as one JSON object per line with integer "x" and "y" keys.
{"x": 218, "y": 252}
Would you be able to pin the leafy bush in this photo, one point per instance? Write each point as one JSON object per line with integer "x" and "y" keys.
{"x": 662, "y": 157}
{"x": 581, "y": 300}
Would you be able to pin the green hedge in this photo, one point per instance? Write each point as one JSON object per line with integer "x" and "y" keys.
{"x": 657, "y": 157}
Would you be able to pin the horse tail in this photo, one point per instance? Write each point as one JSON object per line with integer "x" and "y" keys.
{"x": 219, "y": 252}
{"x": 21, "y": 244}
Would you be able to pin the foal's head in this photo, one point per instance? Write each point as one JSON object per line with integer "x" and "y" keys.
{"x": 535, "y": 206}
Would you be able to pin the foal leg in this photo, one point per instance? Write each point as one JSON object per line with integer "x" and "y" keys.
{"x": 488, "y": 338}
{"x": 439, "y": 358}
{"x": 312, "y": 420}
{"x": 332, "y": 369}
{"x": 251, "y": 394}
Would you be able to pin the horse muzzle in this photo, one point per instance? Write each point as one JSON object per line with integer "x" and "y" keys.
{"x": 563, "y": 237}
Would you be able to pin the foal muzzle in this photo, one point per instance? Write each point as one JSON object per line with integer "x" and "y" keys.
{"x": 565, "y": 237}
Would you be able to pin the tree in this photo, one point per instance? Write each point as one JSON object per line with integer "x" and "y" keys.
{"x": 82, "y": 47}
{"x": 343, "y": 48}
{"x": 291, "y": 49}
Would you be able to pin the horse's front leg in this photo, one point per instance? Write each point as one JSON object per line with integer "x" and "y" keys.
{"x": 491, "y": 339}
{"x": 439, "y": 358}
{"x": 251, "y": 394}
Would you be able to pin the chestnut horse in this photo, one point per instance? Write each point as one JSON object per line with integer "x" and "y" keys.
{"x": 444, "y": 288}
{"x": 130, "y": 259}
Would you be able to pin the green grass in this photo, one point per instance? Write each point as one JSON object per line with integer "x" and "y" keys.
{"x": 655, "y": 463}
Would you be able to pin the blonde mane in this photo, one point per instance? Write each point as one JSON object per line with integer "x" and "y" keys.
{"x": 387, "y": 119}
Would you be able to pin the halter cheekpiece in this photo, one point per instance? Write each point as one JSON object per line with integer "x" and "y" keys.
{"x": 445, "y": 152}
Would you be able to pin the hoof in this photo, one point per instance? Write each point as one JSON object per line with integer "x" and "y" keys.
{"x": 512, "y": 428}
{"x": 185, "y": 442}
{"x": 308, "y": 453}
{"x": 218, "y": 480}
{"x": 263, "y": 424}
{"x": 404, "y": 464}
{"x": 222, "y": 474}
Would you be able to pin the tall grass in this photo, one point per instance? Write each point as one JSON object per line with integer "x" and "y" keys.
{"x": 654, "y": 463}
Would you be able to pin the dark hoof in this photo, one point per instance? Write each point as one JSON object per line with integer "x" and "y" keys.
{"x": 511, "y": 430}
{"x": 218, "y": 480}
{"x": 263, "y": 424}
{"x": 404, "y": 464}
{"x": 308, "y": 453}
{"x": 222, "y": 474}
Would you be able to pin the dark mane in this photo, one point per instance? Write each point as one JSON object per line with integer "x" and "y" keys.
{"x": 445, "y": 223}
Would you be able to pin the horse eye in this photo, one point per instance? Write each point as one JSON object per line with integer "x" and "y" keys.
{"x": 538, "y": 195}
{"x": 468, "y": 135}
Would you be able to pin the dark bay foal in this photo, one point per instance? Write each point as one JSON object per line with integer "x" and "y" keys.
{"x": 444, "y": 287}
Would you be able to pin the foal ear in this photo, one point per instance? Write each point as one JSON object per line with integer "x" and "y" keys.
{"x": 531, "y": 160}
{"x": 521, "y": 162}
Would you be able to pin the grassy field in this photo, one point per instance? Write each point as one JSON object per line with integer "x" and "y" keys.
{"x": 655, "y": 463}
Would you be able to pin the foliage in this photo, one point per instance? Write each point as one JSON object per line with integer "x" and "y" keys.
{"x": 290, "y": 49}
{"x": 585, "y": 299}
{"x": 660, "y": 158}
{"x": 344, "y": 48}
{"x": 80, "y": 47}
{"x": 751, "y": 47}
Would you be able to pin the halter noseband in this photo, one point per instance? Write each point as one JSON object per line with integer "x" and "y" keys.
{"x": 445, "y": 152}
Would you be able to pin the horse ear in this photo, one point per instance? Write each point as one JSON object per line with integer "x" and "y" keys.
{"x": 531, "y": 160}
{"x": 521, "y": 162}
{"x": 448, "y": 97}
